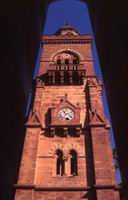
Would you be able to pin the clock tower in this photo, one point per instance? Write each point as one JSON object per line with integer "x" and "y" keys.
{"x": 67, "y": 152}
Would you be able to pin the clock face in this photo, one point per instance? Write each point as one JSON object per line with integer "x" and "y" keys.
{"x": 66, "y": 114}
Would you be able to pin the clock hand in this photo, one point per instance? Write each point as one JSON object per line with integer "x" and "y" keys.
{"x": 64, "y": 112}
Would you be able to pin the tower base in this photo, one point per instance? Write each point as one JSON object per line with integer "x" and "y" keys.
{"x": 74, "y": 193}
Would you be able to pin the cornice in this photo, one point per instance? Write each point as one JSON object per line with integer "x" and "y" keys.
{"x": 82, "y": 188}
{"x": 54, "y": 39}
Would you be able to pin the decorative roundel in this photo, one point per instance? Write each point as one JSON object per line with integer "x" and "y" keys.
{"x": 67, "y": 51}
{"x": 66, "y": 114}
{"x": 66, "y": 55}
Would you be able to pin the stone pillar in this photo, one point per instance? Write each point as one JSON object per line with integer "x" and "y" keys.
{"x": 68, "y": 166}
{"x": 62, "y": 77}
{"x": 54, "y": 165}
{"x": 52, "y": 131}
{"x": 53, "y": 77}
{"x": 70, "y": 77}
{"x": 49, "y": 78}
{"x": 65, "y": 131}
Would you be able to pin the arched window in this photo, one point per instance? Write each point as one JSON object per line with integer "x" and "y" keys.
{"x": 58, "y": 64}
{"x": 66, "y": 61}
{"x": 66, "y": 64}
{"x": 75, "y": 64}
{"x": 58, "y": 61}
{"x": 60, "y": 165}
{"x": 75, "y": 61}
{"x": 73, "y": 164}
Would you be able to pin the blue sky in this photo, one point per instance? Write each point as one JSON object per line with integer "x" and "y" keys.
{"x": 76, "y": 13}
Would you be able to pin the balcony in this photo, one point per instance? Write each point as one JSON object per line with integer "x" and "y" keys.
{"x": 65, "y": 74}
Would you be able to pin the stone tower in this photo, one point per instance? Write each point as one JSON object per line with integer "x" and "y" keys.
{"x": 67, "y": 152}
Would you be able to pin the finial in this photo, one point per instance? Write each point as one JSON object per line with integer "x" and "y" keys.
{"x": 78, "y": 104}
{"x": 66, "y": 22}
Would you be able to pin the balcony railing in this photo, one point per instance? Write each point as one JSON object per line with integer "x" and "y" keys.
{"x": 66, "y": 67}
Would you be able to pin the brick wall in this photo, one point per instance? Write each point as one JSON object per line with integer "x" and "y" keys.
{"x": 95, "y": 161}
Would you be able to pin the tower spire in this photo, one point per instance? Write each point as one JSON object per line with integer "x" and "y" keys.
{"x": 67, "y": 22}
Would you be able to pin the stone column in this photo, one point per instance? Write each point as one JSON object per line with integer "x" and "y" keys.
{"x": 62, "y": 77}
{"x": 68, "y": 166}
{"x": 53, "y": 77}
{"x": 70, "y": 77}
{"x": 54, "y": 165}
